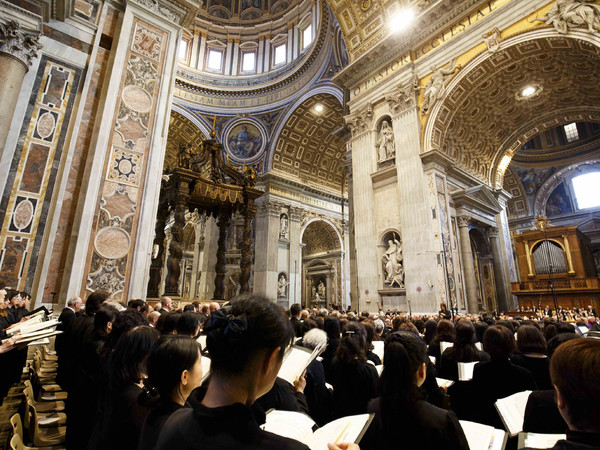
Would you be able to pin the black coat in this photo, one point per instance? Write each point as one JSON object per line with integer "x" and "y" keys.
{"x": 542, "y": 415}
{"x": 155, "y": 422}
{"x": 539, "y": 368}
{"x": 228, "y": 427}
{"x": 297, "y": 324}
{"x": 353, "y": 386}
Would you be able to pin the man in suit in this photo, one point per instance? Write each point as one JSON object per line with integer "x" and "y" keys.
{"x": 166, "y": 303}
{"x": 295, "y": 311}
{"x": 66, "y": 318}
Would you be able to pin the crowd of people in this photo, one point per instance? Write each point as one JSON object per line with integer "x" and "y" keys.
{"x": 135, "y": 380}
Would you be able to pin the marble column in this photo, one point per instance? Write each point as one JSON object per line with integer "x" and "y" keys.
{"x": 503, "y": 304}
{"x": 176, "y": 249}
{"x": 247, "y": 249}
{"x": 468, "y": 264}
{"x": 267, "y": 241}
{"x": 18, "y": 47}
{"x": 223, "y": 223}
{"x": 365, "y": 233}
{"x": 295, "y": 287}
{"x": 158, "y": 254}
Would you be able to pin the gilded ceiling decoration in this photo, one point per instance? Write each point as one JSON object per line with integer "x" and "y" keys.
{"x": 306, "y": 149}
{"x": 247, "y": 11}
{"x": 181, "y": 131}
{"x": 482, "y": 118}
{"x": 517, "y": 205}
{"x": 319, "y": 237}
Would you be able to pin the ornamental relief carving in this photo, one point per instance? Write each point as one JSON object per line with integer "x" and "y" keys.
{"x": 18, "y": 42}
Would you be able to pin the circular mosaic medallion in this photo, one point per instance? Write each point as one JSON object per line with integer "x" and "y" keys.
{"x": 23, "y": 214}
{"x": 136, "y": 99}
{"x": 112, "y": 243}
{"x": 45, "y": 125}
{"x": 245, "y": 141}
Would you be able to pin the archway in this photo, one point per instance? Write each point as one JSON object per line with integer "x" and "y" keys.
{"x": 321, "y": 265}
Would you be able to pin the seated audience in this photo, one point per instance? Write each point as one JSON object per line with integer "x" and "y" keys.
{"x": 401, "y": 417}
{"x": 443, "y": 333}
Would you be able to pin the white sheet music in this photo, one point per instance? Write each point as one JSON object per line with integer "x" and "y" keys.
{"x": 512, "y": 411}
{"x": 537, "y": 440}
{"x": 465, "y": 370}
{"x": 378, "y": 348}
{"x": 483, "y": 437}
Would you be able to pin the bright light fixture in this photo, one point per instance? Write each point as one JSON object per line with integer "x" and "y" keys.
{"x": 319, "y": 108}
{"x": 401, "y": 20}
{"x": 528, "y": 91}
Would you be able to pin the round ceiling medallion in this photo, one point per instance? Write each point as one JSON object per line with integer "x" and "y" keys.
{"x": 245, "y": 141}
{"x": 112, "y": 243}
{"x": 136, "y": 99}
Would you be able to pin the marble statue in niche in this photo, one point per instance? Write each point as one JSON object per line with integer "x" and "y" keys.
{"x": 321, "y": 289}
{"x": 567, "y": 14}
{"x": 435, "y": 88}
{"x": 282, "y": 286}
{"x": 392, "y": 263}
{"x": 386, "y": 148}
{"x": 284, "y": 232}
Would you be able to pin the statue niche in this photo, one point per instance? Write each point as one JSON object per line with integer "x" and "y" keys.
{"x": 282, "y": 286}
{"x": 393, "y": 263}
{"x": 386, "y": 148}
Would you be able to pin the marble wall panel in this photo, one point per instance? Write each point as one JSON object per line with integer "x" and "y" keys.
{"x": 109, "y": 262}
{"x": 26, "y": 199}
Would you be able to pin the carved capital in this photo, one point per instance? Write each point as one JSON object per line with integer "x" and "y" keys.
{"x": 493, "y": 233}
{"x": 179, "y": 12}
{"x": 296, "y": 213}
{"x": 463, "y": 221}
{"x": 360, "y": 121}
{"x": 20, "y": 43}
{"x": 401, "y": 99}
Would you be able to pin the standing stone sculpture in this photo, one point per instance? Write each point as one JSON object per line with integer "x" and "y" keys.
{"x": 386, "y": 148}
{"x": 392, "y": 263}
{"x": 435, "y": 88}
{"x": 282, "y": 285}
{"x": 283, "y": 227}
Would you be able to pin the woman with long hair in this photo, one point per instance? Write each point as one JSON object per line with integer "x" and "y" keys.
{"x": 174, "y": 371}
{"x": 463, "y": 351}
{"x": 355, "y": 380}
{"x": 246, "y": 342}
{"x": 444, "y": 332}
{"x": 533, "y": 355}
{"x": 401, "y": 416}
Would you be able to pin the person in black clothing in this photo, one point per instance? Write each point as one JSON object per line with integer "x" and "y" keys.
{"x": 174, "y": 371}
{"x": 355, "y": 380}
{"x": 532, "y": 356}
{"x": 443, "y": 333}
{"x": 444, "y": 313}
{"x": 574, "y": 369}
{"x": 66, "y": 318}
{"x": 331, "y": 326}
{"x": 246, "y": 341}
{"x": 401, "y": 417}
{"x": 498, "y": 378}
{"x": 7, "y": 359}
{"x": 295, "y": 310}
{"x": 121, "y": 416}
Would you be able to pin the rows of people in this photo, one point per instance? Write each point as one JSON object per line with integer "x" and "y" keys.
{"x": 135, "y": 379}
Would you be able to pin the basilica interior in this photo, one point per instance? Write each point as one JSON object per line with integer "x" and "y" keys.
{"x": 373, "y": 154}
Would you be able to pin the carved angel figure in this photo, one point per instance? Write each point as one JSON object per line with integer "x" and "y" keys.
{"x": 282, "y": 285}
{"x": 392, "y": 263}
{"x": 567, "y": 14}
{"x": 435, "y": 88}
{"x": 386, "y": 148}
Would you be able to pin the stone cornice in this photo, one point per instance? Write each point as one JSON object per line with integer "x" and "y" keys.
{"x": 274, "y": 179}
{"x": 178, "y": 12}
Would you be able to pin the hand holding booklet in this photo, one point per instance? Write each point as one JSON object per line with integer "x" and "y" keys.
{"x": 512, "y": 411}
{"x": 299, "y": 426}
{"x": 295, "y": 362}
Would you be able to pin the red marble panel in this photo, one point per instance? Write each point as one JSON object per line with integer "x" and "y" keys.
{"x": 11, "y": 261}
{"x": 35, "y": 165}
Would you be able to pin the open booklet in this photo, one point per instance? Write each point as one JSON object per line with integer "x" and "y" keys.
{"x": 32, "y": 338}
{"x": 295, "y": 362}
{"x": 538, "y": 440}
{"x": 483, "y": 437}
{"x": 445, "y": 345}
{"x": 32, "y": 325}
{"x": 442, "y": 382}
{"x": 378, "y": 347}
{"x": 205, "y": 363}
{"x": 465, "y": 370}
{"x": 512, "y": 411}
{"x": 299, "y": 426}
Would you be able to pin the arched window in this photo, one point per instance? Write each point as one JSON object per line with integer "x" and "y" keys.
{"x": 586, "y": 189}
{"x": 548, "y": 257}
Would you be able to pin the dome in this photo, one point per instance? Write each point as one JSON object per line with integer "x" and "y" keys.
{"x": 247, "y": 12}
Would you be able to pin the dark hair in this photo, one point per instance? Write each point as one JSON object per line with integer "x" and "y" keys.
{"x": 549, "y": 330}
{"x": 464, "y": 343}
{"x": 430, "y": 327}
{"x": 420, "y": 325}
{"x": 352, "y": 348}
{"x": 295, "y": 309}
{"x": 565, "y": 327}
{"x": 103, "y": 316}
{"x": 332, "y": 326}
{"x": 128, "y": 360}
{"x": 444, "y": 332}
{"x": 480, "y": 328}
{"x": 370, "y": 334}
{"x": 507, "y": 324}
{"x": 195, "y": 304}
{"x": 205, "y": 309}
{"x": 189, "y": 308}
{"x": 170, "y": 322}
{"x": 10, "y": 294}
{"x": 558, "y": 340}
{"x": 124, "y": 321}
{"x": 499, "y": 342}
{"x": 574, "y": 370}
{"x": 94, "y": 302}
{"x": 531, "y": 340}
{"x": 168, "y": 358}
{"x": 136, "y": 303}
{"x": 404, "y": 352}
{"x": 236, "y": 332}
{"x": 188, "y": 324}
